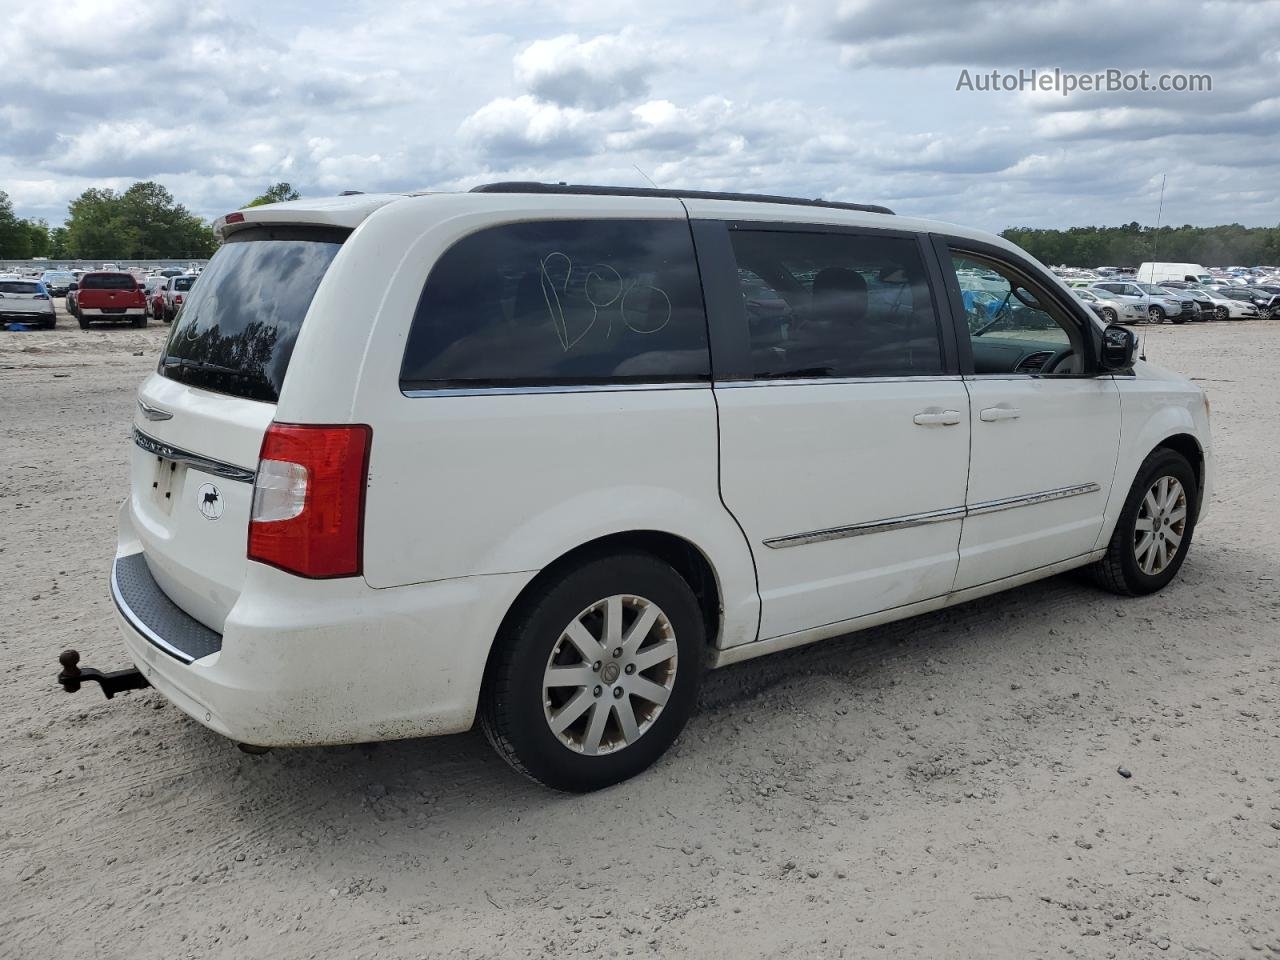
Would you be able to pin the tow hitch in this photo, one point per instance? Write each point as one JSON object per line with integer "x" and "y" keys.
{"x": 112, "y": 683}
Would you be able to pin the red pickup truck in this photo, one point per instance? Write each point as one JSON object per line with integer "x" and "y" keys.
{"x": 108, "y": 296}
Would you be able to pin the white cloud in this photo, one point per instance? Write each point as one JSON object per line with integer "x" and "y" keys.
{"x": 852, "y": 100}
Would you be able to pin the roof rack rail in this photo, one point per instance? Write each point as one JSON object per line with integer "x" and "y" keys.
{"x": 534, "y": 186}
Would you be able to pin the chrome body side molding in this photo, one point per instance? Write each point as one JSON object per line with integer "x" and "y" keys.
{"x": 933, "y": 516}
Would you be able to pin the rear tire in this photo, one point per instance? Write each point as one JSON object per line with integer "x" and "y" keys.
{"x": 1142, "y": 557}
{"x": 84, "y": 324}
{"x": 597, "y": 726}
{"x": 140, "y": 321}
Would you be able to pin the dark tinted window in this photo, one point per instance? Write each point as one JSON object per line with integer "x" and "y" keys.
{"x": 835, "y": 305}
{"x": 557, "y": 303}
{"x": 19, "y": 286}
{"x": 236, "y": 331}
{"x": 107, "y": 281}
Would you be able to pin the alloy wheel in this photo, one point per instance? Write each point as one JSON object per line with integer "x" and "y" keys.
{"x": 1160, "y": 525}
{"x": 609, "y": 675}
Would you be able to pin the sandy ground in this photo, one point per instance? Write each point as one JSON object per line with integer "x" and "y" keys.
{"x": 944, "y": 787}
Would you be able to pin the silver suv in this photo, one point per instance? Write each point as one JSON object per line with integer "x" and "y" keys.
{"x": 1159, "y": 305}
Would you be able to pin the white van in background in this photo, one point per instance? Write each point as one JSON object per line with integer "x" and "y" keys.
{"x": 1160, "y": 272}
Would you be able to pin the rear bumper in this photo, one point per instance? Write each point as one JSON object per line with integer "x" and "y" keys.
{"x": 304, "y": 662}
{"x": 113, "y": 314}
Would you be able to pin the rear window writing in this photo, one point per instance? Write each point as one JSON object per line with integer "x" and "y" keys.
{"x": 108, "y": 281}
{"x": 561, "y": 303}
{"x": 236, "y": 331}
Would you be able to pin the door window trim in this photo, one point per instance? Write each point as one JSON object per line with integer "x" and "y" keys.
{"x": 946, "y": 245}
{"x": 726, "y": 312}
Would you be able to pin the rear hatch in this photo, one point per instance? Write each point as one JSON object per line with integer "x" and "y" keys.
{"x": 109, "y": 292}
{"x": 23, "y": 297}
{"x": 201, "y": 417}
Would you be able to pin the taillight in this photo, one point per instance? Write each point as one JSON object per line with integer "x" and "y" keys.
{"x": 308, "y": 499}
{"x": 178, "y": 298}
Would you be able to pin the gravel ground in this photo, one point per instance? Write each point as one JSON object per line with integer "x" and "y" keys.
{"x": 943, "y": 787}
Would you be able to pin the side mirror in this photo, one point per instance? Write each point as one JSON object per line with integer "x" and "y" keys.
{"x": 1119, "y": 348}
{"x": 73, "y": 285}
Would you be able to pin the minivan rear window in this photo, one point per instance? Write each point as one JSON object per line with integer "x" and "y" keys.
{"x": 236, "y": 331}
{"x": 108, "y": 281}
{"x": 560, "y": 303}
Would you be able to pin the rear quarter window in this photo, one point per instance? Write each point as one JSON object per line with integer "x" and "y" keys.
{"x": 561, "y": 303}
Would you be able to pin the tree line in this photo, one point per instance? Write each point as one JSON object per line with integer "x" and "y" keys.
{"x": 144, "y": 222}
{"x": 1132, "y": 244}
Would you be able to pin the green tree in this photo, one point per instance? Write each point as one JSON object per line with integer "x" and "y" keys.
{"x": 143, "y": 222}
{"x": 15, "y": 238}
{"x": 276, "y": 193}
{"x": 1131, "y": 244}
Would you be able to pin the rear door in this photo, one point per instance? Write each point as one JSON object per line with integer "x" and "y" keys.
{"x": 844, "y": 424}
{"x": 201, "y": 417}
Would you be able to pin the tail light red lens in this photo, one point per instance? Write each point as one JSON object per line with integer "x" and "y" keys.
{"x": 177, "y": 298}
{"x": 308, "y": 499}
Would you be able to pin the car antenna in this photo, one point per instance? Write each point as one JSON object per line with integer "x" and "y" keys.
{"x": 646, "y": 176}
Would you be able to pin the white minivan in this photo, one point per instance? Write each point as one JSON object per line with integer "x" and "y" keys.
{"x": 542, "y": 454}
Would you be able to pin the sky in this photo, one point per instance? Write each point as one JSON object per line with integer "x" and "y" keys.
{"x": 854, "y": 100}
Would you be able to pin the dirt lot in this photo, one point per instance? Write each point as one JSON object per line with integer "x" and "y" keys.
{"x": 944, "y": 787}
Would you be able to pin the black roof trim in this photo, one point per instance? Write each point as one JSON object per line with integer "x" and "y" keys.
{"x": 534, "y": 186}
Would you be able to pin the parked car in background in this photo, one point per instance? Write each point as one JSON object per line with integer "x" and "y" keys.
{"x": 153, "y": 290}
{"x": 1263, "y": 301}
{"x": 56, "y": 282}
{"x": 1228, "y": 308}
{"x": 1112, "y": 309}
{"x": 1157, "y": 307}
{"x": 1204, "y": 309}
{"x": 1190, "y": 308}
{"x": 173, "y": 294}
{"x": 275, "y": 594}
{"x": 109, "y": 296}
{"x": 26, "y": 301}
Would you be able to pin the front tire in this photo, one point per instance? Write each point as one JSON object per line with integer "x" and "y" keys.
{"x": 1154, "y": 531}
{"x": 594, "y": 676}
{"x": 1108, "y": 315}
{"x": 1155, "y": 314}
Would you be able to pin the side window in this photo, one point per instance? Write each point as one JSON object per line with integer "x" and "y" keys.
{"x": 835, "y": 305}
{"x": 1013, "y": 326}
{"x": 560, "y": 303}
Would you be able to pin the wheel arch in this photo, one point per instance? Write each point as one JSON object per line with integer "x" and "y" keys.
{"x": 1189, "y": 447}
{"x": 685, "y": 557}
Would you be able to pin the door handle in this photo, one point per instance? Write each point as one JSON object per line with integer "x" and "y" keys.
{"x": 935, "y": 417}
{"x": 992, "y": 414}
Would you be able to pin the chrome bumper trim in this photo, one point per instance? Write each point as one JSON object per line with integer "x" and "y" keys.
{"x": 228, "y": 471}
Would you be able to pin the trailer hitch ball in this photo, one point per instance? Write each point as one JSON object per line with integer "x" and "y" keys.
{"x": 111, "y": 682}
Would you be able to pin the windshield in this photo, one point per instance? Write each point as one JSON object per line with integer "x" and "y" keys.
{"x": 1152, "y": 288}
{"x": 236, "y": 331}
